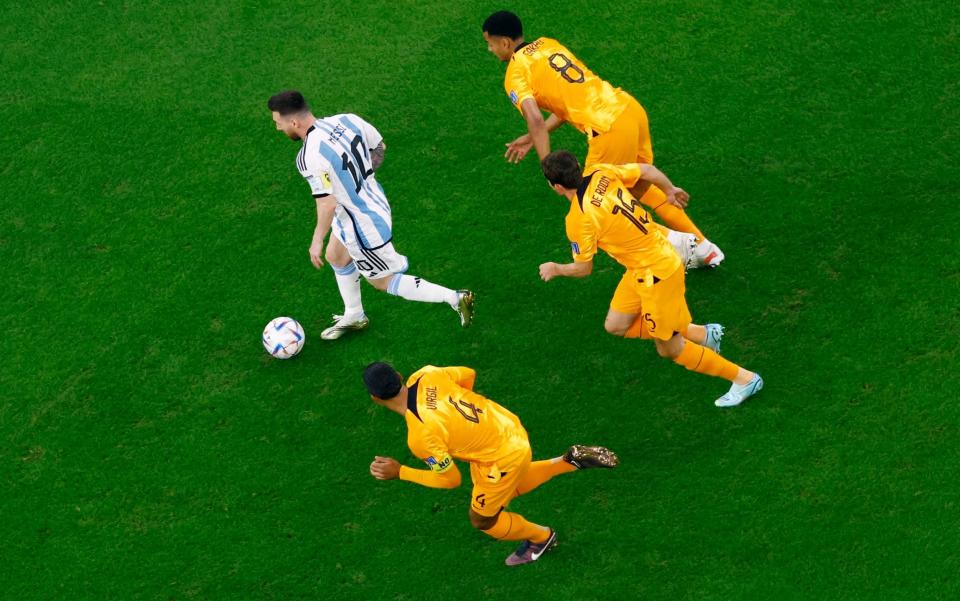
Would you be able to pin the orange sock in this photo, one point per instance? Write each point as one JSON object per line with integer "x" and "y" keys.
{"x": 677, "y": 219}
{"x": 704, "y": 361}
{"x": 512, "y": 526}
{"x": 541, "y": 471}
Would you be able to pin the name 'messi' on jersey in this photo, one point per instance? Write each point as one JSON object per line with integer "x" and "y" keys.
{"x": 335, "y": 159}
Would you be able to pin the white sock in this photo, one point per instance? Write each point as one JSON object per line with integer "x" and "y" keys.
{"x": 414, "y": 288}
{"x": 348, "y": 280}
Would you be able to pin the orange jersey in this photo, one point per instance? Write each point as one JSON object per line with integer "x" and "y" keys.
{"x": 445, "y": 419}
{"x": 605, "y": 215}
{"x": 550, "y": 74}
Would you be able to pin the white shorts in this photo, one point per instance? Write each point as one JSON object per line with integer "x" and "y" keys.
{"x": 373, "y": 264}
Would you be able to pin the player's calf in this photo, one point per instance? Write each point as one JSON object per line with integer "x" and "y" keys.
{"x": 671, "y": 348}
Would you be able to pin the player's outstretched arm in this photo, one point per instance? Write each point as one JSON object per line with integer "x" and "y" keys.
{"x": 577, "y": 269}
{"x": 326, "y": 205}
{"x": 678, "y": 197}
{"x": 388, "y": 468}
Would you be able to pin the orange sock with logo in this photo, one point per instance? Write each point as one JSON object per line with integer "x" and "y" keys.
{"x": 542, "y": 471}
{"x": 704, "y": 361}
{"x": 512, "y": 526}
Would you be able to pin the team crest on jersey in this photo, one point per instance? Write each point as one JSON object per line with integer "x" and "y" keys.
{"x": 514, "y": 98}
{"x": 575, "y": 247}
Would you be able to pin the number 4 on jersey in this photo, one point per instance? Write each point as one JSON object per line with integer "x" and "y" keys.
{"x": 473, "y": 416}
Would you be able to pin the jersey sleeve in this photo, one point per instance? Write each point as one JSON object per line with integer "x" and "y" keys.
{"x": 585, "y": 246}
{"x": 517, "y": 84}
{"x": 317, "y": 173}
{"x": 371, "y": 136}
{"x": 629, "y": 174}
{"x": 463, "y": 376}
{"x": 431, "y": 449}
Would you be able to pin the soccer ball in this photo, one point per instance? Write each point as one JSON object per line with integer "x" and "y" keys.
{"x": 283, "y": 337}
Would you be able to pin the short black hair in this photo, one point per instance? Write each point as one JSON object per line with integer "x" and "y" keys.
{"x": 288, "y": 102}
{"x": 561, "y": 167}
{"x": 504, "y": 23}
{"x": 382, "y": 380}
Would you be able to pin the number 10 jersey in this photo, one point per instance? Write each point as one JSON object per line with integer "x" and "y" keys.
{"x": 335, "y": 159}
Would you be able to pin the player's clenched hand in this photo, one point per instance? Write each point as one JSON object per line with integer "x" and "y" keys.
{"x": 548, "y": 271}
{"x": 678, "y": 197}
{"x": 316, "y": 255}
{"x": 518, "y": 149}
{"x": 385, "y": 468}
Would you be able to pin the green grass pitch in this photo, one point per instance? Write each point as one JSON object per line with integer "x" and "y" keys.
{"x": 152, "y": 221}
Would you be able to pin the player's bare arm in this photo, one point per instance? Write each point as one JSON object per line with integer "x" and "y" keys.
{"x": 326, "y": 205}
{"x": 519, "y": 148}
{"x": 675, "y": 196}
{"x": 577, "y": 269}
{"x": 536, "y": 127}
{"x": 376, "y": 155}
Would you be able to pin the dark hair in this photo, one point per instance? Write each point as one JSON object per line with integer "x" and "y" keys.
{"x": 504, "y": 23}
{"x": 288, "y": 102}
{"x": 382, "y": 380}
{"x": 561, "y": 167}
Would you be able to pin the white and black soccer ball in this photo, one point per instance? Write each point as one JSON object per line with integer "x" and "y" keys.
{"x": 283, "y": 337}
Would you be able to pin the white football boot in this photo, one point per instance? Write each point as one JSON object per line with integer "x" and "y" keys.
{"x": 714, "y": 336}
{"x": 686, "y": 246}
{"x": 738, "y": 394}
{"x": 708, "y": 254}
{"x": 341, "y": 326}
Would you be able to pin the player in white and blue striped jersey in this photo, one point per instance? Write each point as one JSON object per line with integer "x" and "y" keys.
{"x": 339, "y": 159}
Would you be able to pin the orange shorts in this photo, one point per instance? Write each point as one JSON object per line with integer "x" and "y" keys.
{"x": 495, "y": 484}
{"x": 628, "y": 140}
{"x": 662, "y": 305}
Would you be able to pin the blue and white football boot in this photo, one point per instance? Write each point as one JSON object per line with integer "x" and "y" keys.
{"x": 738, "y": 394}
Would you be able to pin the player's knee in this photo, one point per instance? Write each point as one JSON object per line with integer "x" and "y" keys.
{"x": 670, "y": 349}
{"x": 483, "y": 522}
{"x": 333, "y": 257}
{"x": 614, "y": 328}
